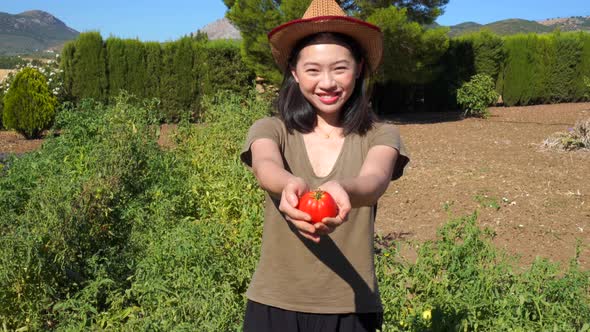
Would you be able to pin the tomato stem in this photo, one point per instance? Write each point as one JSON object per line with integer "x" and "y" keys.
{"x": 318, "y": 194}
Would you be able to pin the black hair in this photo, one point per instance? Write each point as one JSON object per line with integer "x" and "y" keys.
{"x": 297, "y": 112}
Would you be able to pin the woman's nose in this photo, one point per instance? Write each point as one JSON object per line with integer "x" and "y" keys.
{"x": 327, "y": 81}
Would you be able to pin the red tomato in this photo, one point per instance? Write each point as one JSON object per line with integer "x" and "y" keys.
{"x": 318, "y": 204}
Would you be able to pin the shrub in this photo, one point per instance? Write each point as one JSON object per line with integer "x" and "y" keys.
{"x": 29, "y": 107}
{"x": 476, "y": 95}
{"x": 225, "y": 69}
{"x": 1, "y": 107}
{"x": 50, "y": 69}
{"x": 11, "y": 62}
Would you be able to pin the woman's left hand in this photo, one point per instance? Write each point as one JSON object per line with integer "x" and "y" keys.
{"x": 328, "y": 225}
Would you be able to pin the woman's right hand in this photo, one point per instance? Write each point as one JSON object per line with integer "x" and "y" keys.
{"x": 294, "y": 189}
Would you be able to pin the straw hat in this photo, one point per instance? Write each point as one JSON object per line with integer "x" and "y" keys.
{"x": 325, "y": 16}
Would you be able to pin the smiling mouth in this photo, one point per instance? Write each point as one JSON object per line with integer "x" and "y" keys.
{"x": 329, "y": 98}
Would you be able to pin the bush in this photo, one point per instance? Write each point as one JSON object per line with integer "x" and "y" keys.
{"x": 225, "y": 69}
{"x": 29, "y": 107}
{"x": 1, "y": 108}
{"x": 475, "y": 96}
{"x": 11, "y": 62}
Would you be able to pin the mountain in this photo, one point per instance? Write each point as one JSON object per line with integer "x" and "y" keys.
{"x": 574, "y": 23}
{"x": 221, "y": 29}
{"x": 514, "y": 26}
{"x": 32, "y": 31}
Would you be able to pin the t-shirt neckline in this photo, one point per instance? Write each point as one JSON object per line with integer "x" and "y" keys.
{"x": 308, "y": 161}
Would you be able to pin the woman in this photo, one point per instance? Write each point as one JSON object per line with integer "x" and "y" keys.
{"x": 321, "y": 277}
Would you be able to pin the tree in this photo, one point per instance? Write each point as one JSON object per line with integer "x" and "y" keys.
{"x": 66, "y": 64}
{"x": 411, "y": 57}
{"x": 410, "y": 53}
{"x": 136, "y": 67}
{"x": 116, "y": 65}
{"x": 153, "y": 70}
{"x": 256, "y": 18}
{"x": 89, "y": 78}
{"x": 419, "y": 11}
{"x": 29, "y": 107}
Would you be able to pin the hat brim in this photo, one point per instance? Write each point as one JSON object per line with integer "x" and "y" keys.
{"x": 284, "y": 37}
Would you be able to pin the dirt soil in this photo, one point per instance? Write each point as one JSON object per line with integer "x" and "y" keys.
{"x": 537, "y": 201}
{"x": 4, "y": 73}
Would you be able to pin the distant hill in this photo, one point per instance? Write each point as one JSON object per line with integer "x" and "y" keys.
{"x": 574, "y": 23}
{"x": 514, "y": 26}
{"x": 221, "y": 29}
{"x": 32, "y": 31}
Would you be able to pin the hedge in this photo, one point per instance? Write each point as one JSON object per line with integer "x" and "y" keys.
{"x": 178, "y": 73}
{"x": 527, "y": 69}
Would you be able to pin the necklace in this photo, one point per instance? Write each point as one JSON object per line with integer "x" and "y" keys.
{"x": 323, "y": 133}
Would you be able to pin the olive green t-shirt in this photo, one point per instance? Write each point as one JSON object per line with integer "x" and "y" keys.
{"x": 336, "y": 275}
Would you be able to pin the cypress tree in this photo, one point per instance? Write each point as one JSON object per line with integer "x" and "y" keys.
{"x": 199, "y": 76}
{"x": 89, "y": 67}
{"x": 457, "y": 68}
{"x": 167, "y": 79}
{"x": 153, "y": 71}
{"x": 583, "y": 69}
{"x": 184, "y": 73}
{"x": 542, "y": 80}
{"x": 117, "y": 66}
{"x": 67, "y": 66}
{"x": 488, "y": 50}
{"x": 515, "y": 66}
{"x": 136, "y": 67}
{"x": 177, "y": 84}
{"x": 563, "y": 75}
{"x": 225, "y": 69}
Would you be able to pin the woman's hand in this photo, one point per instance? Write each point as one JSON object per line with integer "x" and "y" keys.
{"x": 294, "y": 189}
{"x": 340, "y": 196}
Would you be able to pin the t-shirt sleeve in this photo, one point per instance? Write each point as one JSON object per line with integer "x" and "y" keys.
{"x": 270, "y": 128}
{"x": 388, "y": 135}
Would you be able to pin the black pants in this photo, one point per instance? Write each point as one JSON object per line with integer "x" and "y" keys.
{"x": 263, "y": 318}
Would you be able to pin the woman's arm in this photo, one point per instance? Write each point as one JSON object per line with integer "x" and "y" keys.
{"x": 363, "y": 190}
{"x": 268, "y": 167}
{"x": 374, "y": 177}
{"x": 269, "y": 170}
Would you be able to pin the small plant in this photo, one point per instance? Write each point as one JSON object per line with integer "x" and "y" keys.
{"x": 486, "y": 201}
{"x": 577, "y": 137}
{"x": 475, "y": 96}
{"x": 29, "y": 107}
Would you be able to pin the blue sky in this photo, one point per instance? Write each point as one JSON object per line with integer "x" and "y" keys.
{"x": 158, "y": 20}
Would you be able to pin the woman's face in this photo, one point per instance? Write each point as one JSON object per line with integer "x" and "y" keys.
{"x": 326, "y": 74}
